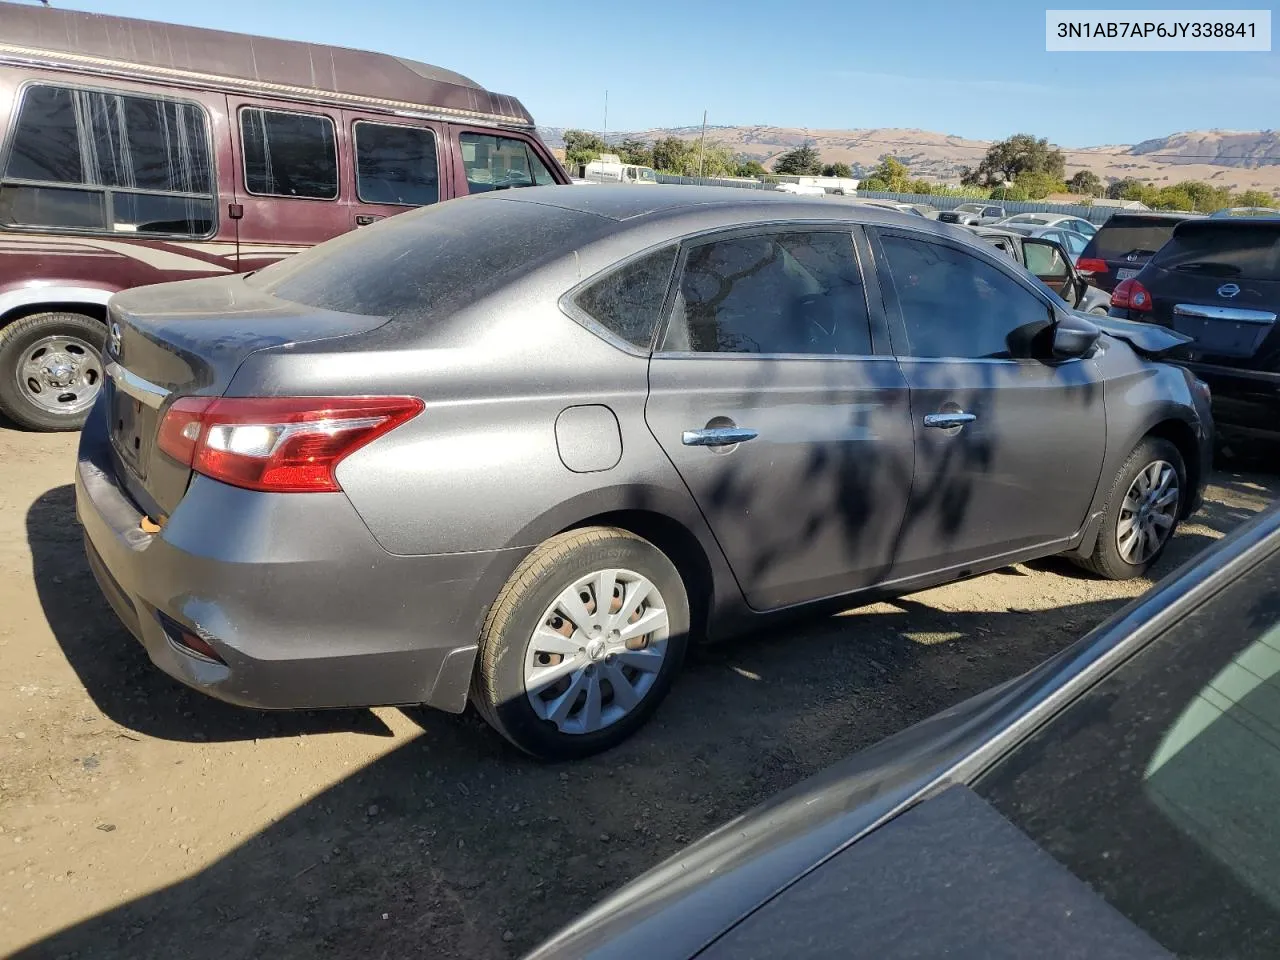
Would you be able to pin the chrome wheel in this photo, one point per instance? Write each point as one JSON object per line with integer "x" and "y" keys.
{"x": 60, "y": 374}
{"x": 597, "y": 651}
{"x": 1148, "y": 512}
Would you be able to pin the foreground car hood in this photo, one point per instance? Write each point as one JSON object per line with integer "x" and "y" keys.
{"x": 1149, "y": 340}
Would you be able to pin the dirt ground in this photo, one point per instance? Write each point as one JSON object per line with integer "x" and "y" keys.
{"x": 139, "y": 819}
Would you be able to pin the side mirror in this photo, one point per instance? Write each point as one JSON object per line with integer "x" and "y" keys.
{"x": 1073, "y": 337}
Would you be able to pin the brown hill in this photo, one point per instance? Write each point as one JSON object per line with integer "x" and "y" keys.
{"x": 1240, "y": 161}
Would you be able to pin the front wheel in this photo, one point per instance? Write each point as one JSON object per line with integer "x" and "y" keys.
{"x": 1141, "y": 513}
{"x": 50, "y": 370}
{"x": 582, "y": 643}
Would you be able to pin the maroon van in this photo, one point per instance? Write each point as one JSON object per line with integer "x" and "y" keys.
{"x": 136, "y": 152}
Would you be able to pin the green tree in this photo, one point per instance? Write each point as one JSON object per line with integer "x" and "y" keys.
{"x": 802, "y": 161}
{"x": 750, "y": 168}
{"x": 1021, "y": 153}
{"x": 581, "y": 147}
{"x": 837, "y": 170}
{"x": 921, "y": 186}
{"x": 1255, "y": 198}
{"x": 633, "y": 150}
{"x": 890, "y": 175}
{"x": 1037, "y": 186}
{"x": 669, "y": 155}
{"x": 1086, "y": 182}
{"x": 1204, "y": 197}
{"x": 1119, "y": 189}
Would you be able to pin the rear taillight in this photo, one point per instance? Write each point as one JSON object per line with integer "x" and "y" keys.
{"x": 277, "y": 444}
{"x": 1131, "y": 295}
{"x": 1092, "y": 265}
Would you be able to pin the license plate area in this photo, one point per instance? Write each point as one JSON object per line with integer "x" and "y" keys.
{"x": 1124, "y": 273}
{"x": 132, "y": 427}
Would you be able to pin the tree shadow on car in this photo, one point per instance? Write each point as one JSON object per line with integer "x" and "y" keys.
{"x": 114, "y": 668}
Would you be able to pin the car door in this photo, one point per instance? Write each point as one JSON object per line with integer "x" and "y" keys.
{"x": 287, "y": 181}
{"x": 1047, "y": 262}
{"x": 395, "y": 166}
{"x": 1009, "y": 446}
{"x": 772, "y": 393}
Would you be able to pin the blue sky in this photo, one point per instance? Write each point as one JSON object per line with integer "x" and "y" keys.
{"x": 976, "y": 70}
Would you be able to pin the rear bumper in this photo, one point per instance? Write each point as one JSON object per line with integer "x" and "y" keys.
{"x": 292, "y": 591}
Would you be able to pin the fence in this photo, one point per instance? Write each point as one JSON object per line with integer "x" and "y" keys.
{"x": 1094, "y": 214}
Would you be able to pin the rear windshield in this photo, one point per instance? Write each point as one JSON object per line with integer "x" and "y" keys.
{"x": 429, "y": 261}
{"x": 1248, "y": 252}
{"x": 1121, "y": 236}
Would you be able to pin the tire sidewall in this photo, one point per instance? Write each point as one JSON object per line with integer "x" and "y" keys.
{"x": 516, "y": 715}
{"x": 1146, "y": 453}
{"x": 15, "y": 339}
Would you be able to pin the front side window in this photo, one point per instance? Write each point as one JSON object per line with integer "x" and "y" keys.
{"x": 628, "y": 301}
{"x": 289, "y": 154}
{"x": 780, "y": 293}
{"x": 108, "y": 161}
{"x": 955, "y": 305}
{"x": 1159, "y": 786}
{"x": 499, "y": 163}
{"x": 396, "y": 165}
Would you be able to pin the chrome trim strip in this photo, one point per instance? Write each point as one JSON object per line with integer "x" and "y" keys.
{"x": 144, "y": 391}
{"x": 1224, "y": 313}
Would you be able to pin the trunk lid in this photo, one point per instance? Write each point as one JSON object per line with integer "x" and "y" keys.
{"x": 1218, "y": 281}
{"x": 189, "y": 339}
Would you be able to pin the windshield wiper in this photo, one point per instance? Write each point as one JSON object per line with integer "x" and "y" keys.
{"x": 1211, "y": 267}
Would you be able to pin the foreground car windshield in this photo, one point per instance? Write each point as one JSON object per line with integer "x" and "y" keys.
{"x": 1159, "y": 787}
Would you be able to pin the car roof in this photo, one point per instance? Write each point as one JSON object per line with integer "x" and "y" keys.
{"x": 622, "y": 202}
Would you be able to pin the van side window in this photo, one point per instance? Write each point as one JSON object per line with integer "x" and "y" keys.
{"x": 396, "y": 165}
{"x": 498, "y": 163}
{"x": 289, "y": 154}
{"x": 85, "y": 159}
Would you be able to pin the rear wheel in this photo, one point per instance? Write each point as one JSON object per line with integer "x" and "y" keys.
{"x": 50, "y": 370}
{"x": 1141, "y": 512}
{"x": 582, "y": 643}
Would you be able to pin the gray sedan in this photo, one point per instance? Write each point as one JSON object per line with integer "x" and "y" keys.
{"x": 518, "y": 449}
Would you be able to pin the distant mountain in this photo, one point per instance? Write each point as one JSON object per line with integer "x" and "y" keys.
{"x": 1240, "y": 160}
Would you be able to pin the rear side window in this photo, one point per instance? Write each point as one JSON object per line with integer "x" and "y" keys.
{"x": 396, "y": 165}
{"x": 499, "y": 163}
{"x": 781, "y": 293}
{"x": 108, "y": 161}
{"x": 289, "y": 154}
{"x": 1121, "y": 236}
{"x": 628, "y": 301}
{"x": 1234, "y": 251}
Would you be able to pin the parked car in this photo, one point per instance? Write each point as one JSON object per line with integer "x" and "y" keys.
{"x": 1246, "y": 212}
{"x": 1124, "y": 244}
{"x": 1044, "y": 257}
{"x": 1073, "y": 243}
{"x": 1115, "y": 803}
{"x": 972, "y": 214}
{"x": 1060, "y": 221}
{"x": 1218, "y": 281}
{"x": 138, "y": 152}
{"x": 520, "y": 447}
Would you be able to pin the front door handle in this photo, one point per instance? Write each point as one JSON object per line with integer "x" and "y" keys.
{"x": 717, "y": 436}
{"x": 945, "y": 421}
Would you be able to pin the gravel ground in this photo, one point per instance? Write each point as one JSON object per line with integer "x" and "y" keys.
{"x": 139, "y": 819}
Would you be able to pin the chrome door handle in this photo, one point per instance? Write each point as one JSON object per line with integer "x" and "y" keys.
{"x": 717, "y": 436}
{"x": 945, "y": 421}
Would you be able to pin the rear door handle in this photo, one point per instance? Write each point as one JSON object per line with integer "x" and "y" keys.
{"x": 717, "y": 436}
{"x": 945, "y": 421}
{"x": 364, "y": 219}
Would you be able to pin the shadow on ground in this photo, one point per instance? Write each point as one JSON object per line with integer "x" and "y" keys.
{"x": 114, "y": 668}
{"x": 454, "y": 846}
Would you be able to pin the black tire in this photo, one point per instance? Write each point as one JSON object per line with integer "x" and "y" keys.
{"x": 15, "y": 339}
{"x": 1106, "y": 559}
{"x": 498, "y": 685}
{"x": 1100, "y": 311}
